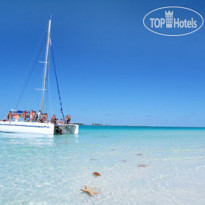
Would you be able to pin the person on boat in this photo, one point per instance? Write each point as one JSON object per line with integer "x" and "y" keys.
{"x": 31, "y": 116}
{"x": 67, "y": 119}
{"x": 39, "y": 114}
{"x": 27, "y": 115}
{"x": 44, "y": 117}
{"x": 61, "y": 122}
{"x": 53, "y": 119}
{"x": 24, "y": 114}
{"x": 35, "y": 116}
{"x": 16, "y": 116}
{"x": 9, "y": 116}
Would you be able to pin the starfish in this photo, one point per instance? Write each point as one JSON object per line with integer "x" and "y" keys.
{"x": 96, "y": 174}
{"x": 93, "y": 159}
{"x": 90, "y": 190}
{"x": 142, "y": 165}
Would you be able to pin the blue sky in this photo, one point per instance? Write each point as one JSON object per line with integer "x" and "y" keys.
{"x": 111, "y": 69}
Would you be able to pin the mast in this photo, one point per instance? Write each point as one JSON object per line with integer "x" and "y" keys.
{"x": 46, "y": 64}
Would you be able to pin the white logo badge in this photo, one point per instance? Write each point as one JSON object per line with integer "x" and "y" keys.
{"x": 173, "y": 21}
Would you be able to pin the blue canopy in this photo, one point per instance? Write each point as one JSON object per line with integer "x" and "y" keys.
{"x": 17, "y": 111}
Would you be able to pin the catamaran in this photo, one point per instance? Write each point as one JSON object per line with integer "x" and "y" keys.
{"x": 41, "y": 127}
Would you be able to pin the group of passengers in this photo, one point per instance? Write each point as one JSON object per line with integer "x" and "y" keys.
{"x": 32, "y": 116}
{"x": 54, "y": 120}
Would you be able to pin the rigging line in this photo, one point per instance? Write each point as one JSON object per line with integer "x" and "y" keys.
{"x": 29, "y": 76}
{"x": 34, "y": 53}
{"x": 57, "y": 84}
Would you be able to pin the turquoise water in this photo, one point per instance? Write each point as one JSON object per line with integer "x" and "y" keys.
{"x": 137, "y": 166}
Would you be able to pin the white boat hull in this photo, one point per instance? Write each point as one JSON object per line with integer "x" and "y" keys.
{"x": 37, "y": 128}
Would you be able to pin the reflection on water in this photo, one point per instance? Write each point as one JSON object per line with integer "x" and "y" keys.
{"x": 66, "y": 139}
{"x": 38, "y": 139}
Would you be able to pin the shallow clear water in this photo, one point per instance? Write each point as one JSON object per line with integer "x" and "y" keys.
{"x": 38, "y": 169}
